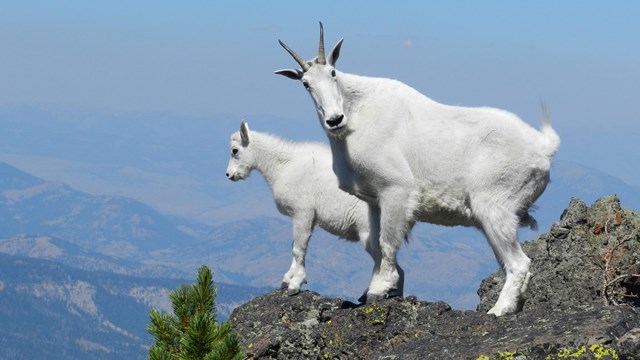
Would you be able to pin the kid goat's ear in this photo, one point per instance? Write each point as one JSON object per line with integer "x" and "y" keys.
{"x": 244, "y": 133}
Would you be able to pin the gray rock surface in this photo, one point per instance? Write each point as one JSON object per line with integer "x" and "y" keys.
{"x": 582, "y": 267}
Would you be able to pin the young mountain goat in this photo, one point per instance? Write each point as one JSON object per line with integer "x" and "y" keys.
{"x": 304, "y": 188}
{"x": 413, "y": 159}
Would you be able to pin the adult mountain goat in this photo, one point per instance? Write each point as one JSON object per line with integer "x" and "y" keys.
{"x": 413, "y": 159}
{"x": 304, "y": 188}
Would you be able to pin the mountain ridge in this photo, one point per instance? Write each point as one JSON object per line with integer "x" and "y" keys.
{"x": 53, "y": 311}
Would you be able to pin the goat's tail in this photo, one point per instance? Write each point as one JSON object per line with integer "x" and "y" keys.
{"x": 550, "y": 138}
{"x": 526, "y": 220}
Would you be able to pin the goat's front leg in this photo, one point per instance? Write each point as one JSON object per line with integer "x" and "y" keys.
{"x": 297, "y": 274}
{"x": 371, "y": 240}
{"x": 396, "y": 211}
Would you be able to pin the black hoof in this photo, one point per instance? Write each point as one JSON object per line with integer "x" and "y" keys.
{"x": 363, "y": 299}
{"x": 292, "y": 292}
{"x": 393, "y": 293}
{"x": 348, "y": 305}
{"x": 372, "y": 298}
{"x": 285, "y": 285}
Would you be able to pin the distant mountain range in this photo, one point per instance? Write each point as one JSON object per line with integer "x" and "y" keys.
{"x": 52, "y": 311}
{"x": 116, "y": 226}
{"x": 77, "y": 274}
{"x": 127, "y": 237}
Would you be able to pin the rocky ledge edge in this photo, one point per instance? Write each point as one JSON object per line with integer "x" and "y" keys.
{"x": 582, "y": 304}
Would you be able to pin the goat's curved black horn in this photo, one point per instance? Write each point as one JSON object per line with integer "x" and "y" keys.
{"x": 321, "y": 59}
{"x": 295, "y": 56}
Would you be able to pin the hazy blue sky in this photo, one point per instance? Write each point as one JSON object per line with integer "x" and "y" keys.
{"x": 206, "y": 58}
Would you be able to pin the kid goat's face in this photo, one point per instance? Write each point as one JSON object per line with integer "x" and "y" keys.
{"x": 239, "y": 167}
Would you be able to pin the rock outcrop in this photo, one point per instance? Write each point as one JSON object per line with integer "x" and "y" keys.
{"x": 589, "y": 256}
{"x": 582, "y": 304}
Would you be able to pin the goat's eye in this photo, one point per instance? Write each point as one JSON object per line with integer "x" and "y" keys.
{"x": 333, "y": 73}
{"x": 306, "y": 85}
{"x": 234, "y": 151}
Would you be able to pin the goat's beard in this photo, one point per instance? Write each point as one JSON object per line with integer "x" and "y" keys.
{"x": 338, "y": 133}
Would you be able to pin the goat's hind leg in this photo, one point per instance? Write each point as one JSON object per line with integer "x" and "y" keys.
{"x": 297, "y": 274}
{"x": 500, "y": 226}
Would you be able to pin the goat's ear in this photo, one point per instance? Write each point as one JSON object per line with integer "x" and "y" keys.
{"x": 244, "y": 133}
{"x": 293, "y": 74}
{"x": 335, "y": 53}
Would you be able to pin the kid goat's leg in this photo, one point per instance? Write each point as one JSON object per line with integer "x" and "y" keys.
{"x": 297, "y": 274}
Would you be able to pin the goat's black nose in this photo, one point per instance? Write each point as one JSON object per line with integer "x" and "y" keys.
{"x": 335, "y": 120}
{"x": 227, "y": 174}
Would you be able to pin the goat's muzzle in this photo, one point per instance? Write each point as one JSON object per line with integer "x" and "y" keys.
{"x": 335, "y": 121}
